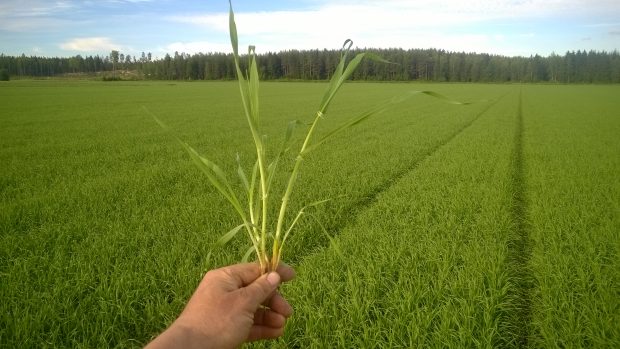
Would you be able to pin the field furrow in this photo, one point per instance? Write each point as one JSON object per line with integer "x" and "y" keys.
{"x": 425, "y": 265}
{"x": 519, "y": 244}
{"x": 352, "y": 205}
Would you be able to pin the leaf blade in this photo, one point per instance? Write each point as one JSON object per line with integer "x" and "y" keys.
{"x": 214, "y": 173}
{"x": 224, "y": 239}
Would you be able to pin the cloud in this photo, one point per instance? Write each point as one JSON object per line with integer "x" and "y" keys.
{"x": 33, "y": 8}
{"x": 129, "y": 1}
{"x": 598, "y": 25}
{"x": 195, "y": 47}
{"x": 334, "y": 14}
{"x": 94, "y": 44}
{"x": 387, "y": 23}
{"x": 614, "y": 32}
{"x": 326, "y": 27}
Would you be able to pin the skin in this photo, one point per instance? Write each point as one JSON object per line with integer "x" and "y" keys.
{"x": 231, "y": 305}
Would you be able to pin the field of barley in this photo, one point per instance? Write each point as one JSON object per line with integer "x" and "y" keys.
{"x": 492, "y": 224}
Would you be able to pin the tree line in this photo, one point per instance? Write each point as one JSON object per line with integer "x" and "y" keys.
{"x": 407, "y": 65}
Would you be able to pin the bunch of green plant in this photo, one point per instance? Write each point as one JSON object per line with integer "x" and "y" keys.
{"x": 267, "y": 238}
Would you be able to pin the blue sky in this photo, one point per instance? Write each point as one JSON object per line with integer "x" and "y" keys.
{"x": 508, "y": 27}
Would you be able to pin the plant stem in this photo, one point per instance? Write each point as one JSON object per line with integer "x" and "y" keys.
{"x": 289, "y": 189}
{"x": 264, "y": 197}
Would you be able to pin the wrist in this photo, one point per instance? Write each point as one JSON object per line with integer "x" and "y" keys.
{"x": 181, "y": 335}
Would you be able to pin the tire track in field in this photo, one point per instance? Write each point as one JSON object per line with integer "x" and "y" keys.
{"x": 349, "y": 214}
{"x": 519, "y": 244}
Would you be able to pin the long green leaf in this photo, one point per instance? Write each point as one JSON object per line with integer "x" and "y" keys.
{"x": 254, "y": 204}
{"x": 248, "y": 253}
{"x": 378, "y": 109}
{"x": 352, "y": 66}
{"x": 333, "y": 241}
{"x": 299, "y": 214}
{"x": 271, "y": 169}
{"x": 215, "y": 175}
{"x": 242, "y": 176}
{"x": 333, "y": 86}
{"x": 232, "y": 27}
{"x": 244, "y": 88}
{"x": 351, "y": 122}
{"x": 224, "y": 239}
{"x": 253, "y": 87}
{"x": 442, "y": 97}
{"x": 342, "y": 73}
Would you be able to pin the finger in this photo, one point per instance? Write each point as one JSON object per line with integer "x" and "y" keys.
{"x": 260, "y": 290}
{"x": 278, "y": 304}
{"x": 242, "y": 274}
{"x": 258, "y": 332}
{"x": 286, "y": 272}
{"x": 269, "y": 318}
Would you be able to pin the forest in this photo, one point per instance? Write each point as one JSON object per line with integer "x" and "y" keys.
{"x": 406, "y": 65}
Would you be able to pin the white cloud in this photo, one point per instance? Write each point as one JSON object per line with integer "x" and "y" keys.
{"x": 94, "y": 44}
{"x": 389, "y": 23}
{"x": 364, "y": 15}
{"x": 33, "y": 8}
{"x": 195, "y": 47}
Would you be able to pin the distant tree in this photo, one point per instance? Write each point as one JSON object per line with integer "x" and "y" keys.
{"x": 4, "y": 75}
{"x": 114, "y": 55}
{"x": 413, "y": 64}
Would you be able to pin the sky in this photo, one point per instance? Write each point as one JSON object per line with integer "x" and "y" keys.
{"x": 505, "y": 27}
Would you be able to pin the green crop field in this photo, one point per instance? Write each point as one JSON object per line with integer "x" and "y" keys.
{"x": 494, "y": 224}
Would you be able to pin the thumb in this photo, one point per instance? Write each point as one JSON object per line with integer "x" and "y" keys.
{"x": 260, "y": 290}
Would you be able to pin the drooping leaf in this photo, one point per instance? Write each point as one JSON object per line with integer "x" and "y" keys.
{"x": 298, "y": 216}
{"x": 242, "y": 176}
{"x": 376, "y": 110}
{"x": 442, "y": 97}
{"x": 333, "y": 241}
{"x": 224, "y": 239}
{"x": 214, "y": 173}
{"x": 342, "y": 74}
{"x": 335, "y": 81}
{"x": 248, "y": 253}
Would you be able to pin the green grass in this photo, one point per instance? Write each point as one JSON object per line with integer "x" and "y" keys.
{"x": 572, "y": 151}
{"x": 451, "y": 235}
{"x": 430, "y": 255}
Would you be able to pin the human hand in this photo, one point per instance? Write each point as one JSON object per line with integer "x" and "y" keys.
{"x": 227, "y": 309}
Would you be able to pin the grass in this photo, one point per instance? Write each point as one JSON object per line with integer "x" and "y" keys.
{"x": 574, "y": 205}
{"x": 105, "y": 224}
{"x": 430, "y": 271}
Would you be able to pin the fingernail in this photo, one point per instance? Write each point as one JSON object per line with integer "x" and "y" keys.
{"x": 273, "y": 278}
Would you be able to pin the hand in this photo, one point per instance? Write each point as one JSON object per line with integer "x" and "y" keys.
{"x": 227, "y": 309}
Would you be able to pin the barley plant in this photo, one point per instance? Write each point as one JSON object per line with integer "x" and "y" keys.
{"x": 268, "y": 235}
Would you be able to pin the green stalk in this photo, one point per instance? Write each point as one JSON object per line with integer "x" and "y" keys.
{"x": 263, "y": 184}
{"x": 287, "y": 194}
